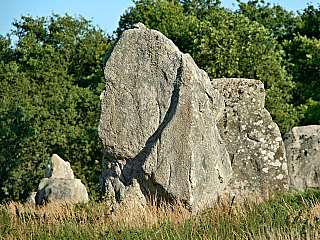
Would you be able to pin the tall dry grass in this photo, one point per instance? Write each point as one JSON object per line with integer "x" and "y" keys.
{"x": 284, "y": 217}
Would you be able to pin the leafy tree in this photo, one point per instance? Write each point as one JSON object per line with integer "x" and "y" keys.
{"x": 303, "y": 51}
{"x": 307, "y": 22}
{"x": 275, "y": 17}
{"x": 50, "y": 86}
{"x": 304, "y": 58}
{"x": 304, "y": 64}
{"x": 311, "y": 112}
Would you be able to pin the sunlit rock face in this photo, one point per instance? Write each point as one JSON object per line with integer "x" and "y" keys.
{"x": 252, "y": 139}
{"x": 158, "y": 124}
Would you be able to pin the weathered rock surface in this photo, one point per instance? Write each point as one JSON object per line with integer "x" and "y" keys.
{"x": 158, "y": 124}
{"x": 59, "y": 184}
{"x": 252, "y": 139}
{"x": 60, "y": 189}
{"x": 303, "y": 154}
{"x": 58, "y": 168}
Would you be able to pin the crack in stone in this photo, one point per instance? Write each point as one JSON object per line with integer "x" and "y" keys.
{"x": 251, "y": 138}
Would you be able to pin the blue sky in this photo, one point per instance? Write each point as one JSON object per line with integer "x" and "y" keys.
{"x": 105, "y": 13}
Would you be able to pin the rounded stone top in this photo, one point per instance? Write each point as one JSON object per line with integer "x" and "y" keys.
{"x": 139, "y": 25}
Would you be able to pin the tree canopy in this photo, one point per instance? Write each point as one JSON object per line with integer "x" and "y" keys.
{"x": 50, "y": 86}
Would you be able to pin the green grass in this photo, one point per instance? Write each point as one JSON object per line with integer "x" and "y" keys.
{"x": 289, "y": 216}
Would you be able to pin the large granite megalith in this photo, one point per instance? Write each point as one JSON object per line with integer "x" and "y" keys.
{"x": 158, "y": 124}
{"x": 303, "y": 154}
{"x": 252, "y": 139}
{"x": 59, "y": 183}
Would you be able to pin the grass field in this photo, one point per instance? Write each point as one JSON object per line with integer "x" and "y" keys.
{"x": 290, "y": 216}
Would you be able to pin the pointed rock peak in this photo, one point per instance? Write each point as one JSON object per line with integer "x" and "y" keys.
{"x": 139, "y": 25}
{"x": 58, "y": 168}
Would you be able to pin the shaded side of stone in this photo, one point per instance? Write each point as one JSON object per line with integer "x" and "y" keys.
{"x": 303, "y": 154}
{"x": 252, "y": 139}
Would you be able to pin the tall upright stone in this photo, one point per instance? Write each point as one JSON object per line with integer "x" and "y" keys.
{"x": 252, "y": 139}
{"x": 158, "y": 124}
{"x": 303, "y": 154}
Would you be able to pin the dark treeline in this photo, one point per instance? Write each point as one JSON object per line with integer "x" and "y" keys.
{"x": 51, "y": 78}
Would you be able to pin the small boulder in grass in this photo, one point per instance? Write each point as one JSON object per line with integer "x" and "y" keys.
{"x": 59, "y": 185}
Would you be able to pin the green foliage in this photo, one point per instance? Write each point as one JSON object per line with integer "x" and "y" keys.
{"x": 307, "y": 22}
{"x": 304, "y": 64}
{"x": 311, "y": 112}
{"x": 230, "y": 45}
{"x": 275, "y": 17}
{"x": 303, "y": 56}
{"x": 50, "y": 86}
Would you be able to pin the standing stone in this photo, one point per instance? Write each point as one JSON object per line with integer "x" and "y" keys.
{"x": 303, "y": 154}
{"x": 158, "y": 123}
{"x": 252, "y": 139}
{"x": 59, "y": 183}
